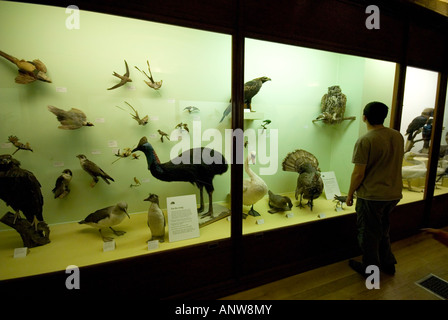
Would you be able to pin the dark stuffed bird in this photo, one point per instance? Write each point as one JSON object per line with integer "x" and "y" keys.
{"x": 251, "y": 88}
{"x": 61, "y": 189}
{"x": 416, "y": 126}
{"x": 309, "y": 182}
{"x": 20, "y": 189}
{"x": 93, "y": 169}
{"x": 278, "y": 203}
{"x": 197, "y": 166}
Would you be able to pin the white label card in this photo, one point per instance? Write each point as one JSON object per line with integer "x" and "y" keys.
{"x": 21, "y": 252}
{"x": 331, "y": 186}
{"x": 109, "y": 245}
{"x": 153, "y": 244}
{"x": 182, "y": 218}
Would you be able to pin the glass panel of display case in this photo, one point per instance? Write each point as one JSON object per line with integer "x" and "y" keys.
{"x": 97, "y": 127}
{"x": 416, "y": 125}
{"x": 311, "y": 101}
{"x": 442, "y": 173}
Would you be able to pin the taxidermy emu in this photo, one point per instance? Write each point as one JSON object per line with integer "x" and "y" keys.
{"x": 20, "y": 190}
{"x": 196, "y": 170}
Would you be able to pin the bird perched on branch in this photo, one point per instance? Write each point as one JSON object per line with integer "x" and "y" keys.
{"x": 251, "y": 88}
{"x": 94, "y": 170}
{"x": 29, "y": 71}
{"x": 309, "y": 182}
{"x": 416, "y": 126}
{"x": 61, "y": 189}
{"x": 71, "y": 119}
{"x": 106, "y": 218}
{"x": 21, "y": 190}
{"x": 19, "y": 145}
{"x": 163, "y": 135}
{"x": 197, "y": 166}
{"x": 156, "y": 219}
{"x": 124, "y": 78}
{"x": 332, "y": 106}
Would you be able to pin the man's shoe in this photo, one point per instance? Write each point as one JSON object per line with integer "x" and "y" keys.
{"x": 388, "y": 269}
{"x": 358, "y": 267}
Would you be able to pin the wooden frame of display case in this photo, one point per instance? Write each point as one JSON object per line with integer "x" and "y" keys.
{"x": 409, "y": 35}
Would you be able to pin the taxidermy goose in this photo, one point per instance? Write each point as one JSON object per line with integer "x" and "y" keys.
{"x": 414, "y": 171}
{"x": 254, "y": 188}
{"x": 189, "y": 167}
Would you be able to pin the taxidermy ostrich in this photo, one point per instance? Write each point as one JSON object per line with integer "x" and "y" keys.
{"x": 196, "y": 170}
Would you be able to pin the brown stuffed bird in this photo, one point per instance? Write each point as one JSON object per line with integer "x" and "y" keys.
{"x": 29, "y": 71}
{"x": 71, "y": 119}
{"x": 92, "y": 169}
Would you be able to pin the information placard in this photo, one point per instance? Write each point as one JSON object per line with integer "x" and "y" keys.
{"x": 182, "y": 218}
{"x": 331, "y": 186}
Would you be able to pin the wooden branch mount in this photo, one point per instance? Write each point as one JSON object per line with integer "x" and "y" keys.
{"x": 30, "y": 237}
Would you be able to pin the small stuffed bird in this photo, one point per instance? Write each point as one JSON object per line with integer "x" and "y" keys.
{"x": 156, "y": 85}
{"x": 71, "y": 119}
{"x": 19, "y": 145}
{"x": 278, "y": 203}
{"x": 143, "y": 121}
{"x": 124, "y": 78}
{"x": 29, "y": 71}
{"x": 61, "y": 189}
{"x": 340, "y": 200}
{"x": 191, "y": 109}
{"x": 309, "y": 182}
{"x": 92, "y": 169}
{"x": 106, "y": 218}
{"x": 182, "y": 126}
{"x": 156, "y": 219}
{"x": 163, "y": 135}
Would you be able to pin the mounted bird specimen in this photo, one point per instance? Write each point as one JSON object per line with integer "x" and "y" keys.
{"x": 416, "y": 169}
{"x": 340, "y": 200}
{"x": 156, "y": 85}
{"x": 254, "y": 188}
{"x": 127, "y": 152}
{"x": 156, "y": 220}
{"x": 182, "y": 126}
{"x": 163, "y": 135}
{"x": 21, "y": 190}
{"x": 309, "y": 182}
{"x": 70, "y": 120}
{"x": 106, "y": 218}
{"x": 61, "y": 188}
{"x": 251, "y": 88}
{"x": 189, "y": 167}
{"x": 265, "y": 124}
{"x": 29, "y": 71}
{"x": 416, "y": 127}
{"x": 333, "y": 106}
{"x": 143, "y": 121}
{"x": 278, "y": 203}
{"x": 19, "y": 145}
{"x": 191, "y": 109}
{"x": 94, "y": 170}
{"x": 123, "y": 78}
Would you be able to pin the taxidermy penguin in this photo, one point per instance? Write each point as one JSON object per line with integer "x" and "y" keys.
{"x": 156, "y": 219}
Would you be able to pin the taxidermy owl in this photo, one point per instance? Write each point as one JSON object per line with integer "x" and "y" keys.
{"x": 333, "y": 106}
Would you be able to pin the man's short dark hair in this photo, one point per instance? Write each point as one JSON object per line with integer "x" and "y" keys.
{"x": 375, "y": 112}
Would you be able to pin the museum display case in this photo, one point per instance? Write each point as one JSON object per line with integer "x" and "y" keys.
{"x": 142, "y": 88}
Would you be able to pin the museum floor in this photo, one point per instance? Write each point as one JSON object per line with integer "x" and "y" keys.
{"x": 417, "y": 257}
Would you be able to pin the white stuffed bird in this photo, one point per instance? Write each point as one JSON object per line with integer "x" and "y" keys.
{"x": 254, "y": 188}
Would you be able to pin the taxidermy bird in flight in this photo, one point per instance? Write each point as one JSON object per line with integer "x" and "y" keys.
{"x": 251, "y": 88}
{"x": 124, "y": 78}
{"x": 156, "y": 85}
{"x": 309, "y": 182}
{"x": 143, "y": 121}
{"x": 70, "y": 120}
{"x": 29, "y": 71}
{"x": 94, "y": 170}
{"x": 106, "y": 218}
{"x": 196, "y": 171}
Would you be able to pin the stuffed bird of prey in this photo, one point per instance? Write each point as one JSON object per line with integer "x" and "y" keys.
{"x": 61, "y": 189}
{"x": 29, "y": 71}
{"x": 416, "y": 126}
{"x": 309, "y": 182}
{"x": 71, "y": 119}
{"x": 106, "y": 218}
{"x": 251, "y": 88}
{"x": 92, "y": 169}
{"x": 20, "y": 189}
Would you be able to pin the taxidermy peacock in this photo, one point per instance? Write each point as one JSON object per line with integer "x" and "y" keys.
{"x": 254, "y": 188}
{"x": 20, "y": 189}
{"x": 196, "y": 170}
{"x": 309, "y": 182}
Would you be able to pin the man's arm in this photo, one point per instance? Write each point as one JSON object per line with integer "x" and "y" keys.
{"x": 357, "y": 177}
